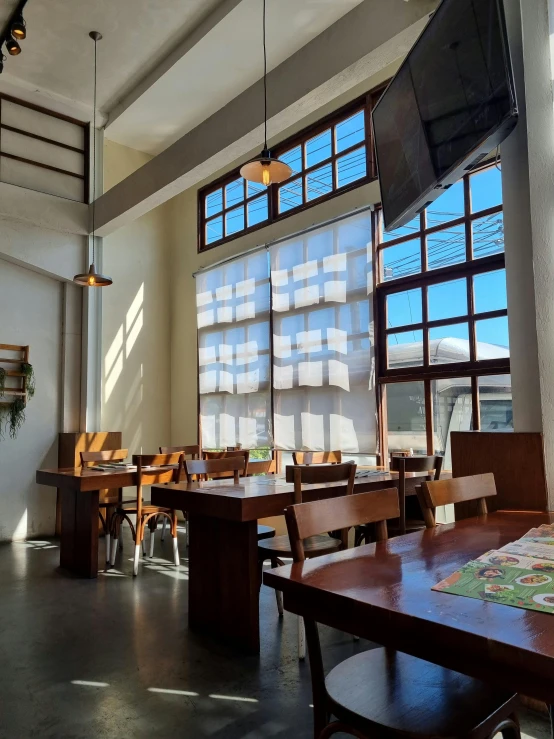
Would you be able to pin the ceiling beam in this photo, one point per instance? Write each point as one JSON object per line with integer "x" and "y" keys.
{"x": 355, "y": 48}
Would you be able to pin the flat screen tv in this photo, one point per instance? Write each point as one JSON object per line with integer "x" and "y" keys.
{"x": 449, "y": 105}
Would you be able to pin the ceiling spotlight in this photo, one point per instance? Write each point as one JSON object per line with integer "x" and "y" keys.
{"x": 18, "y": 29}
{"x": 13, "y": 47}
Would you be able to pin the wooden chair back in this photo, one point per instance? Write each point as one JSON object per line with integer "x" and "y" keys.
{"x": 88, "y": 459}
{"x": 317, "y": 457}
{"x": 148, "y": 466}
{"x": 265, "y": 467}
{"x": 308, "y": 475}
{"x": 403, "y": 465}
{"x": 192, "y": 450}
{"x": 308, "y": 519}
{"x": 205, "y": 468}
{"x": 456, "y": 490}
{"x": 245, "y": 453}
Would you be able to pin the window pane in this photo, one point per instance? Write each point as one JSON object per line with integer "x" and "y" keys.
{"x": 406, "y": 417}
{"x": 214, "y": 203}
{"x": 319, "y": 182}
{"x": 350, "y": 132}
{"x": 489, "y": 291}
{"x": 351, "y": 167}
{"x": 449, "y": 343}
{"x": 446, "y": 247}
{"x": 448, "y": 207}
{"x": 234, "y": 220}
{"x": 253, "y": 188}
{"x": 293, "y": 158}
{"x": 214, "y": 230}
{"x": 452, "y": 411}
{"x": 234, "y": 192}
{"x": 405, "y": 349}
{"x": 488, "y": 235}
{"x": 290, "y": 195}
{"x": 318, "y": 148}
{"x": 401, "y": 260}
{"x": 447, "y": 299}
{"x": 404, "y": 308}
{"x": 257, "y": 211}
{"x": 486, "y": 189}
{"x": 492, "y": 338}
{"x": 495, "y": 403}
{"x": 413, "y": 227}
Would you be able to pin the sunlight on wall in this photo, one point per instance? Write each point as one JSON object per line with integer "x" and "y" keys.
{"x": 21, "y": 528}
{"x": 123, "y": 343}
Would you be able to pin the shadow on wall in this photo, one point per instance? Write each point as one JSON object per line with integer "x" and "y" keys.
{"x": 123, "y": 376}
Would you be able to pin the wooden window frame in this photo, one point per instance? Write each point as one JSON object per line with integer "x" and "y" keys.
{"x": 365, "y": 103}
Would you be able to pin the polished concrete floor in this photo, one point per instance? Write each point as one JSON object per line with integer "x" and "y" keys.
{"x": 113, "y": 658}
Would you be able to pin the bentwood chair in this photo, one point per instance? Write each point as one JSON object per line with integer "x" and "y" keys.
{"x": 278, "y": 547}
{"x": 227, "y": 465}
{"x": 151, "y": 468}
{"x": 317, "y": 457}
{"x": 111, "y": 500}
{"x": 194, "y": 452}
{"x": 456, "y": 490}
{"x": 245, "y": 453}
{"x": 405, "y": 465}
{"x": 381, "y": 692}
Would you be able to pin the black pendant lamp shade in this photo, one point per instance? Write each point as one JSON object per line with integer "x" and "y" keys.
{"x": 266, "y": 168}
{"x": 92, "y": 278}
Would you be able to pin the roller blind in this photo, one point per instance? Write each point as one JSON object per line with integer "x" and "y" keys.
{"x": 233, "y": 353}
{"x": 323, "y": 363}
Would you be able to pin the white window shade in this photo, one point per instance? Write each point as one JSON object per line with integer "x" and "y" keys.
{"x": 234, "y": 352}
{"x": 323, "y": 388}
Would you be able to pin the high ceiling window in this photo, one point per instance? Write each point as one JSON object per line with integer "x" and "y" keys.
{"x": 326, "y": 159}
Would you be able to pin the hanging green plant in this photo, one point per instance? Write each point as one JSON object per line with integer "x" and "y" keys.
{"x": 2, "y": 380}
{"x": 4, "y": 416}
{"x": 16, "y": 417}
{"x": 29, "y": 373}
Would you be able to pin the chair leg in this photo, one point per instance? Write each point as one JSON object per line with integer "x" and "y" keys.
{"x": 278, "y": 593}
{"x": 116, "y": 524}
{"x": 301, "y": 639}
{"x": 139, "y": 538}
{"x": 164, "y": 524}
{"x": 152, "y": 535}
{"x": 509, "y": 729}
{"x": 175, "y": 541}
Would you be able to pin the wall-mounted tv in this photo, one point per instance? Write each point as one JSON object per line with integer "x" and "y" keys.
{"x": 449, "y": 105}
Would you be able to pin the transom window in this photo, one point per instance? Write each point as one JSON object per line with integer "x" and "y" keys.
{"x": 326, "y": 159}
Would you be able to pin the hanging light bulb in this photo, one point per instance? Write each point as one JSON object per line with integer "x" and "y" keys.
{"x": 18, "y": 29}
{"x": 92, "y": 278}
{"x": 13, "y": 48}
{"x": 266, "y": 168}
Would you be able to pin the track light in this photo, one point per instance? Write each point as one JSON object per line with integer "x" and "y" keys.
{"x": 18, "y": 29}
{"x": 13, "y": 48}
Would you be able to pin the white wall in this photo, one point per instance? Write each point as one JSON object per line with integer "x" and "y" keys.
{"x": 136, "y": 393}
{"x": 31, "y": 305}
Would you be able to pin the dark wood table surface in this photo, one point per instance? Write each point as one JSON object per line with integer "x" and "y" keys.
{"x": 224, "y": 572}
{"x": 80, "y": 494}
{"x": 383, "y": 592}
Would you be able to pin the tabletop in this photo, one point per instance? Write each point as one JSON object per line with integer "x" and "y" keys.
{"x": 253, "y": 497}
{"x": 383, "y": 592}
{"x": 87, "y": 479}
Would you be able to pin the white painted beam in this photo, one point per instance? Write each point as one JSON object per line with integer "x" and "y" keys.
{"x": 356, "y": 47}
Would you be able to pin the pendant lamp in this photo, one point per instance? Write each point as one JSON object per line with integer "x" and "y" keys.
{"x": 266, "y": 168}
{"x": 92, "y": 278}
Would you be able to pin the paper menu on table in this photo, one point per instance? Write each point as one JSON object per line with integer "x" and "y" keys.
{"x": 503, "y": 558}
{"x": 530, "y": 548}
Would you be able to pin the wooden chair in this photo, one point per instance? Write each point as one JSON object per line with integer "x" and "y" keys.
{"x": 278, "y": 547}
{"x": 456, "y": 490}
{"x": 382, "y": 693}
{"x": 262, "y": 467}
{"x": 149, "y": 465}
{"x": 111, "y": 500}
{"x": 245, "y": 453}
{"x": 317, "y": 457}
{"x": 224, "y": 466}
{"x": 194, "y": 452}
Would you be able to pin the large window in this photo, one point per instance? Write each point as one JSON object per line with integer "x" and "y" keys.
{"x": 326, "y": 159}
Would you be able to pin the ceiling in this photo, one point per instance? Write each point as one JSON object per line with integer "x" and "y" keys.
{"x": 164, "y": 65}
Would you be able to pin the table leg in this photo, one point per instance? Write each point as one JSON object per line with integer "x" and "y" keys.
{"x": 224, "y": 580}
{"x": 79, "y": 533}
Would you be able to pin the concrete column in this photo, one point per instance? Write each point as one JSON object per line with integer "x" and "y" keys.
{"x": 528, "y": 191}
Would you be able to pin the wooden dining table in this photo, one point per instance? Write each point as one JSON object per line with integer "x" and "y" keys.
{"x": 224, "y": 571}
{"x": 383, "y": 592}
{"x": 80, "y": 495}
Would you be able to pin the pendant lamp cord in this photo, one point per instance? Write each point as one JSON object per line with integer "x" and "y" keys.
{"x": 94, "y": 160}
{"x": 265, "y": 79}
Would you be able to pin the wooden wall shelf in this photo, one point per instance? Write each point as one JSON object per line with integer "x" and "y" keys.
{"x": 16, "y": 380}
